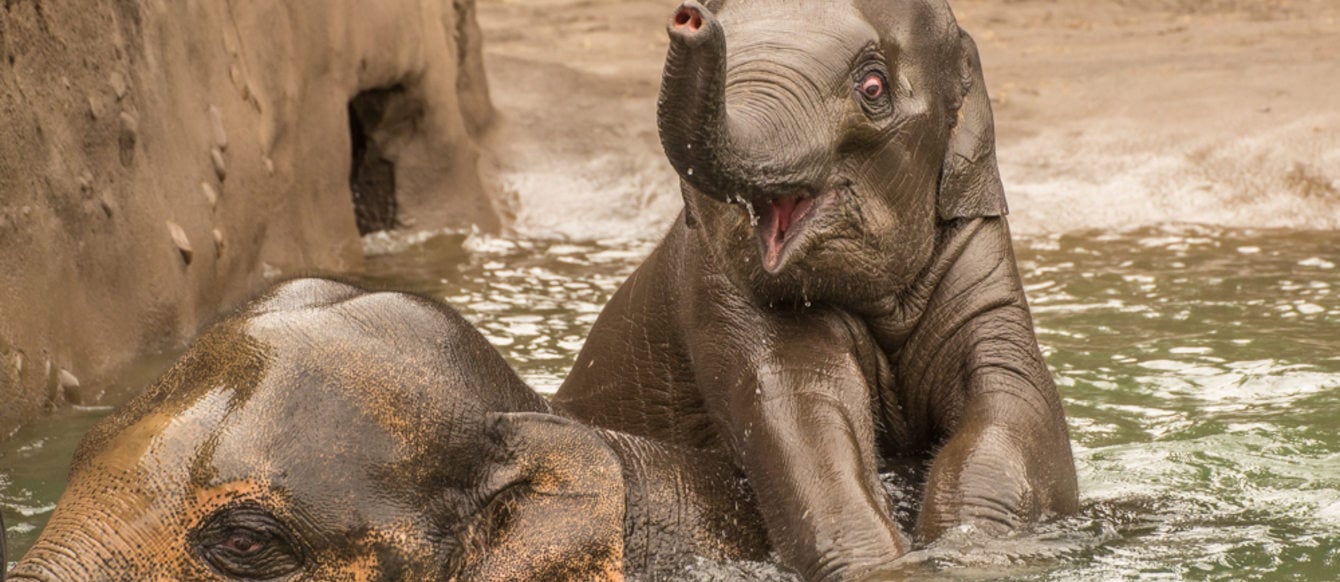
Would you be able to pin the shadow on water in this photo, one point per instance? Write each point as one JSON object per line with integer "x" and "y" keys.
{"x": 1200, "y": 369}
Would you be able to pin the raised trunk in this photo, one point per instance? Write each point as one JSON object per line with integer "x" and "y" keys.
{"x": 691, "y": 111}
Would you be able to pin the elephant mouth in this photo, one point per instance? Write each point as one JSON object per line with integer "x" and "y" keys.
{"x": 783, "y": 223}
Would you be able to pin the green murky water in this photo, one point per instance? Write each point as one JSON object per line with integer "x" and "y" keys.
{"x": 1200, "y": 369}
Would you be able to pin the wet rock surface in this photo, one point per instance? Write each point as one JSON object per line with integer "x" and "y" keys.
{"x": 182, "y": 242}
{"x": 224, "y": 122}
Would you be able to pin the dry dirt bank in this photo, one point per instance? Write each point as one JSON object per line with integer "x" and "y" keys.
{"x": 1111, "y": 113}
{"x": 159, "y": 157}
{"x": 1126, "y": 112}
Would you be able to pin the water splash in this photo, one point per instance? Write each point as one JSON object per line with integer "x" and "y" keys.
{"x": 753, "y": 216}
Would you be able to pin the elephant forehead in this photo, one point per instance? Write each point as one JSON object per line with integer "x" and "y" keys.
{"x": 162, "y": 447}
{"x": 303, "y": 429}
{"x": 438, "y": 360}
{"x": 320, "y": 308}
{"x": 306, "y": 427}
{"x": 144, "y": 477}
{"x": 830, "y": 32}
{"x": 344, "y": 430}
{"x": 304, "y": 294}
{"x": 376, "y": 384}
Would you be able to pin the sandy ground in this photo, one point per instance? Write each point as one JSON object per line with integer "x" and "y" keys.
{"x": 1110, "y": 113}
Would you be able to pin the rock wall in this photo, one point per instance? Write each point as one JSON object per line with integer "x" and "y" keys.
{"x": 160, "y": 158}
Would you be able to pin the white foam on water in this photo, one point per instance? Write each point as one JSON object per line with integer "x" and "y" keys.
{"x": 1118, "y": 174}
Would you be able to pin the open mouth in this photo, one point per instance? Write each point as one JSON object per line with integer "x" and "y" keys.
{"x": 782, "y": 221}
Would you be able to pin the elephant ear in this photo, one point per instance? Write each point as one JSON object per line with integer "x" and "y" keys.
{"x": 559, "y": 503}
{"x": 970, "y": 183}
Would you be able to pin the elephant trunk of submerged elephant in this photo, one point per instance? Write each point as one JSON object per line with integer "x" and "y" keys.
{"x": 75, "y": 548}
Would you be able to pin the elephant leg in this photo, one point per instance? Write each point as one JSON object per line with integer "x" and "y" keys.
{"x": 974, "y": 379}
{"x": 802, "y": 429}
{"x": 1007, "y": 465}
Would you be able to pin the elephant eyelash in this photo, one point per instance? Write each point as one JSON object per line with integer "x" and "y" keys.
{"x": 868, "y": 60}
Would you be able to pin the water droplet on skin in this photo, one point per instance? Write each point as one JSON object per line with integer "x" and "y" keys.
{"x": 690, "y": 171}
{"x": 690, "y": 146}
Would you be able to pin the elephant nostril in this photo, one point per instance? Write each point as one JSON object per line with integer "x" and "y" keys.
{"x": 690, "y": 17}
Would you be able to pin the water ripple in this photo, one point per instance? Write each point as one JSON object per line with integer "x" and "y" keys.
{"x": 1200, "y": 370}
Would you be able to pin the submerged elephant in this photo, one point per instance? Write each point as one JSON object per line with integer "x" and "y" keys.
{"x": 839, "y": 294}
{"x": 328, "y": 433}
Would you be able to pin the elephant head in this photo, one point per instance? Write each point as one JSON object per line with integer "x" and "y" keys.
{"x": 847, "y": 130}
{"x": 328, "y": 433}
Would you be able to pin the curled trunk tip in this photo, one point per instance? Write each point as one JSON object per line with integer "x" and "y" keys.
{"x": 691, "y": 111}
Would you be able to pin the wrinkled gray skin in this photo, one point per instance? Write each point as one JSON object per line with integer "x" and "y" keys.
{"x": 329, "y": 433}
{"x": 840, "y": 293}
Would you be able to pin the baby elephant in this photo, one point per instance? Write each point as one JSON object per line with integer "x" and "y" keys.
{"x": 325, "y": 432}
{"x": 840, "y": 294}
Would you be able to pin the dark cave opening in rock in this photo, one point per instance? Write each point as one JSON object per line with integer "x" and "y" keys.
{"x": 371, "y": 174}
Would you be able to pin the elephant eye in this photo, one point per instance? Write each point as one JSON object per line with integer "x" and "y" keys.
{"x": 872, "y": 87}
{"x": 872, "y": 90}
{"x": 245, "y": 541}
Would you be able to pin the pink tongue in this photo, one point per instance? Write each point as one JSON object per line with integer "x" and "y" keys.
{"x": 785, "y": 213}
{"x": 782, "y": 217}
{"x": 782, "y": 209}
